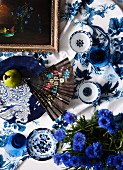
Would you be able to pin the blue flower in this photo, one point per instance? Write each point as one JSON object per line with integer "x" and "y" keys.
{"x": 104, "y": 122}
{"x": 118, "y": 161}
{"x": 59, "y": 134}
{"x": 98, "y": 149}
{"x": 90, "y": 151}
{"x": 1, "y": 161}
{"x": 94, "y": 150}
{"x": 57, "y": 159}
{"x": 110, "y": 160}
{"x": 66, "y": 159}
{"x": 69, "y": 118}
{"x": 3, "y": 140}
{"x": 77, "y": 147}
{"x": 79, "y": 138}
{"x": 98, "y": 166}
{"x": 105, "y": 113}
{"x": 115, "y": 26}
{"x": 72, "y": 9}
{"x": 74, "y": 161}
{"x": 84, "y": 161}
{"x": 113, "y": 128}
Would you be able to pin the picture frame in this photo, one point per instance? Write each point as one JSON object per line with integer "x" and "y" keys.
{"x": 40, "y": 29}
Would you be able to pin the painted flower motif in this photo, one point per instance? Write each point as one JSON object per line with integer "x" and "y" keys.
{"x": 79, "y": 138}
{"x": 59, "y": 134}
{"x": 69, "y": 117}
{"x": 115, "y": 26}
{"x": 1, "y": 161}
{"x": 72, "y": 9}
{"x": 57, "y": 159}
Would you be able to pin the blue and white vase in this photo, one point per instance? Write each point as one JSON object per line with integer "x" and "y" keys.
{"x": 16, "y": 145}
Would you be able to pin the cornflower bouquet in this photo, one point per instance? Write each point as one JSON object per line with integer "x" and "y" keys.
{"x": 24, "y": 12}
{"x": 96, "y": 143}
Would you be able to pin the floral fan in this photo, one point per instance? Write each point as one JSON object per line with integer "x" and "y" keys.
{"x": 54, "y": 88}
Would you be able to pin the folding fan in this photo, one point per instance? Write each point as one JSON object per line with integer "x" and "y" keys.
{"x": 54, "y": 88}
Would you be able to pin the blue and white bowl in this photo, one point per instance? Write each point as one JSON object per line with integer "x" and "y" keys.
{"x": 81, "y": 41}
{"x": 89, "y": 92}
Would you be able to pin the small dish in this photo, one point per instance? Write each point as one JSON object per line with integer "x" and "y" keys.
{"x": 89, "y": 92}
{"x": 41, "y": 144}
{"x": 81, "y": 41}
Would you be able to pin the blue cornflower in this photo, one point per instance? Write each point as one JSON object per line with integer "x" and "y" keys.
{"x": 79, "y": 138}
{"x": 118, "y": 161}
{"x": 110, "y": 160}
{"x": 97, "y": 149}
{"x": 98, "y": 166}
{"x": 94, "y": 150}
{"x": 66, "y": 159}
{"x": 90, "y": 151}
{"x": 57, "y": 159}
{"x": 84, "y": 161}
{"x": 104, "y": 122}
{"x": 69, "y": 117}
{"x": 105, "y": 113}
{"x": 59, "y": 134}
{"x": 77, "y": 147}
{"x": 113, "y": 128}
{"x": 74, "y": 161}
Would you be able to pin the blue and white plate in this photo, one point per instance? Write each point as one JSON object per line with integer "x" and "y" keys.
{"x": 18, "y": 104}
{"x": 42, "y": 144}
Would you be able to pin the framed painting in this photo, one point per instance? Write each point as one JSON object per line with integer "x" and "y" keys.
{"x": 29, "y": 25}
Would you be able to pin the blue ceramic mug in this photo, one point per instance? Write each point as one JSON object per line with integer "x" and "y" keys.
{"x": 16, "y": 145}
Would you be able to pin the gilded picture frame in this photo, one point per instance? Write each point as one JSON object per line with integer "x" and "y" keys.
{"x": 38, "y": 31}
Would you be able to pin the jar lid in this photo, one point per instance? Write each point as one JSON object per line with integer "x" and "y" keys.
{"x": 89, "y": 92}
{"x": 81, "y": 41}
{"x": 41, "y": 144}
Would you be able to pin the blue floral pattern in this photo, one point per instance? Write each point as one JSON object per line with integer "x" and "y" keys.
{"x": 79, "y": 14}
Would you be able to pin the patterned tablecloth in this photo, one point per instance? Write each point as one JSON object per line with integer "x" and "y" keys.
{"x": 105, "y": 18}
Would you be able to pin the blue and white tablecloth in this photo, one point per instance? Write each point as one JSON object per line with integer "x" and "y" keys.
{"x": 76, "y": 15}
